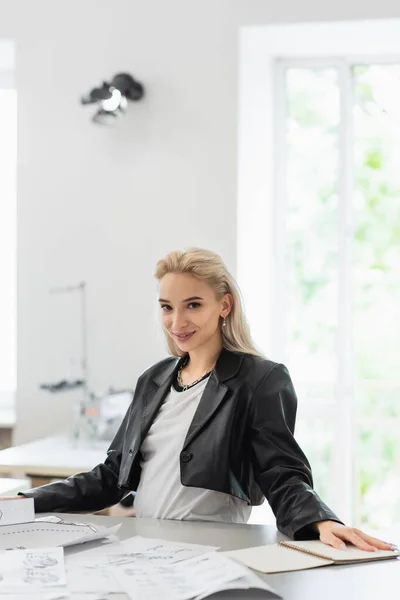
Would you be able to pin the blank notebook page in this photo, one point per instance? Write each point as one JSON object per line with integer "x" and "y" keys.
{"x": 276, "y": 559}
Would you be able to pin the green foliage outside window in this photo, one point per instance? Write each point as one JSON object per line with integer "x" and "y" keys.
{"x": 313, "y": 106}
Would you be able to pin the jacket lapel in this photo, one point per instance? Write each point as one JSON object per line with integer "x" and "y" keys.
{"x": 227, "y": 366}
{"x": 156, "y": 395}
{"x": 214, "y": 393}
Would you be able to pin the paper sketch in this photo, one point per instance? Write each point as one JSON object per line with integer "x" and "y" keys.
{"x": 41, "y": 577}
{"x": 137, "y": 550}
{"x": 178, "y": 581}
{"x": 29, "y": 571}
{"x": 50, "y": 534}
{"x": 156, "y": 554}
{"x": 54, "y": 519}
{"x": 39, "y": 560}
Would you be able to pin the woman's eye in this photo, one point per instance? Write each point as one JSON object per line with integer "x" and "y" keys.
{"x": 193, "y": 305}
{"x": 165, "y": 307}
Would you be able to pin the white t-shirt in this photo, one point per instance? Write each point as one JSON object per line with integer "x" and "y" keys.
{"x": 160, "y": 494}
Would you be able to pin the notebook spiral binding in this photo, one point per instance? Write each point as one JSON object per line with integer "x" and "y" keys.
{"x": 315, "y": 554}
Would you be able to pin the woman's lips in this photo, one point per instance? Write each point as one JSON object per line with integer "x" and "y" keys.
{"x": 184, "y": 337}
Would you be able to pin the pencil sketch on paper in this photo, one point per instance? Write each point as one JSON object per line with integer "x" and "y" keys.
{"x": 42, "y": 576}
{"x": 157, "y": 555}
{"x": 39, "y": 568}
{"x": 39, "y": 560}
{"x": 61, "y": 521}
{"x": 90, "y": 526}
{"x": 31, "y": 570}
{"x": 135, "y": 557}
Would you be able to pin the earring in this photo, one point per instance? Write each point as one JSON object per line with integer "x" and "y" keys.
{"x": 224, "y": 322}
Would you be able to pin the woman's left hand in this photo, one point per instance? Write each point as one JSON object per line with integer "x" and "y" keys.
{"x": 335, "y": 534}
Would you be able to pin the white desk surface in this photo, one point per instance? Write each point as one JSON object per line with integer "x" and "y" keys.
{"x": 11, "y": 487}
{"x": 7, "y": 418}
{"x": 56, "y": 456}
{"x": 351, "y": 582}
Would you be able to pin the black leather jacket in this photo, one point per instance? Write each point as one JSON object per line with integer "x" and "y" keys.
{"x": 240, "y": 442}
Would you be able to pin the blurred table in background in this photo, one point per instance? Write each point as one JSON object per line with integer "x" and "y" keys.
{"x": 51, "y": 458}
{"x": 11, "y": 487}
{"x": 7, "y": 424}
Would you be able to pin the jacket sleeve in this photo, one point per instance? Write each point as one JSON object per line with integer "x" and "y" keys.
{"x": 85, "y": 492}
{"x": 281, "y": 468}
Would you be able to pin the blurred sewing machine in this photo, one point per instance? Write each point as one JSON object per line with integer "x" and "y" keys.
{"x": 103, "y": 415}
{"x": 96, "y": 417}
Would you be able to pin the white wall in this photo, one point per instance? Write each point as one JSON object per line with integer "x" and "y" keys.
{"x": 103, "y": 205}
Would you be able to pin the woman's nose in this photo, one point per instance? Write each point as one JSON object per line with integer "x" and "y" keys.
{"x": 179, "y": 322}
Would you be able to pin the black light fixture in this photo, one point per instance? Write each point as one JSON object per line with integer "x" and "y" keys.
{"x": 112, "y": 97}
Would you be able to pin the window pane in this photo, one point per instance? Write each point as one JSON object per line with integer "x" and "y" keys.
{"x": 377, "y": 289}
{"x": 313, "y": 112}
{"x": 312, "y": 219}
{"x": 378, "y": 455}
{"x": 377, "y": 221}
{"x": 315, "y": 437}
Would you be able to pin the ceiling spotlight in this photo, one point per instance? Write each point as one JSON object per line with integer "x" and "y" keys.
{"x": 112, "y": 97}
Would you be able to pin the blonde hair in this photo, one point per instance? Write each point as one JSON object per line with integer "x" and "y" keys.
{"x": 209, "y": 267}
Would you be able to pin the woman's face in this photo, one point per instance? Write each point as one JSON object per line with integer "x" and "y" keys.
{"x": 190, "y": 311}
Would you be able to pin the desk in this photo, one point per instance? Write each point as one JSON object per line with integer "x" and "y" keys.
{"x": 51, "y": 458}
{"x": 7, "y": 424}
{"x": 11, "y": 487}
{"x": 352, "y": 582}
{"x": 7, "y": 417}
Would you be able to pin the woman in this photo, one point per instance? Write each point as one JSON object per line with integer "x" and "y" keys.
{"x": 210, "y": 433}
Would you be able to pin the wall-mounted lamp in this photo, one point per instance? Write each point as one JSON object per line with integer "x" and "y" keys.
{"x": 112, "y": 97}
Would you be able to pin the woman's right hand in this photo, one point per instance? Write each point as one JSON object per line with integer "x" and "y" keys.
{"x": 13, "y": 498}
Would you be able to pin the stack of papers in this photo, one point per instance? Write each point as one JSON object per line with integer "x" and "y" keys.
{"x": 138, "y": 550}
{"x": 135, "y": 568}
{"x": 33, "y": 565}
{"x": 151, "y": 569}
{"x": 90, "y": 570}
{"x": 198, "y": 577}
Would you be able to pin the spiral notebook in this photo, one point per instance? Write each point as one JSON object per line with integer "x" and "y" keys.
{"x": 296, "y": 556}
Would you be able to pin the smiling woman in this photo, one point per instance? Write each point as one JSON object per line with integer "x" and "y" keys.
{"x": 211, "y": 290}
{"x": 210, "y": 431}
{"x": 193, "y": 324}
